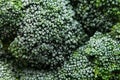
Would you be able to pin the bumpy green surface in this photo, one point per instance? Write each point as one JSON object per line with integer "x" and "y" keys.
{"x": 9, "y": 19}
{"x": 6, "y": 71}
{"x": 77, "y": 68}
{"x": 115, "y": 31}
{"x": 104, "y": 53}
{"x": 41, "y": 40}
{"x": 95, "y": 15}
{"x": 31, "y": 74}
{"x": 47, "y": 32}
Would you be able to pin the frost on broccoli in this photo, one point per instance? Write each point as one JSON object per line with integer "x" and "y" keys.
{"x": 6, "y": 71}
{"x": 47, "y": 33}
{"x": 78, "y": 67}
{"x": 104, "y": 54}
{"x": 98, "y": 15}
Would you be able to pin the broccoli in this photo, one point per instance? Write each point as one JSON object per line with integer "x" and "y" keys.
{"x": 6, "y": 71}
{"x": 10, "y": 15}
{"x": 33, "y": 74}
{"x": 9, "y": 20}
{"x": 48, "y": 33}
{"x": 58, "y": 40}
{"x": 96, "y": 15}
{"x": 78, "y": 67}
{"x": 104, "y": 54}
{"x": 115, "y": 31}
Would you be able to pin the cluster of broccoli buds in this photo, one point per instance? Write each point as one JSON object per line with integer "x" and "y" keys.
{"x": 78, "y": 67}
{"x": 45, "y": 40}
{"x": 98, "y": 59}
{"x": 104, "y": 54}
{"x": 33, "y": 74}
{"x": 115, "y": 31}
{"x": 48, "y": 33}
{"x": 9, "y": 19}
{"x": 6, "y": 71}
{"x": 98, "y": 15}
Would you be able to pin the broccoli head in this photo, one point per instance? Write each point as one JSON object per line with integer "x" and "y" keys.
{"x": 96, "y": 15}
{"x": 104, "y": 53}
{"x": 9, "y": 19}
{"x": 78, "y": 67}
{"x": 48, "y": 33}
{"x": 115, "y": 31}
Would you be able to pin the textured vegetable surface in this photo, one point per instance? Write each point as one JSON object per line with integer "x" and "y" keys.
{"x": 47, "y": 33}
{"x": 115, "y": 31}
{"x": 59, "y": 39}
{"x": 104, "y": 54}
{"x": 6, "y": 71}
{"x": 98, "y": 15}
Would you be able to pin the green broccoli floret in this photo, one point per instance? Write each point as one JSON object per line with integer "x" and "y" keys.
{"x": 10, "y": 15}
{"x": 78, "y": 67}
{"x": 32, "y": 74}
{"x": 6, "y": 71}
{"x": 104, "y": 54}
{"x": 9, "y": 19}
{"x": 115, "y": 31}
{"x": 48, "y": 33}
{"x": 96, "y": 15}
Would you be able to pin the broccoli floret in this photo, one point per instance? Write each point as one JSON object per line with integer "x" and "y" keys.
{"x": 6, "y": 71}
{"x": 32, "y": 74}
{"x": 9, "y": 19}
{"x": 115, "y": 31}
{"x": 77, "y": 67}
{"x": 48, "y": 33}
{"x": 104, "y": 54}
{"x": 96, "y": 15}
{"x": 10, "y": 15}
